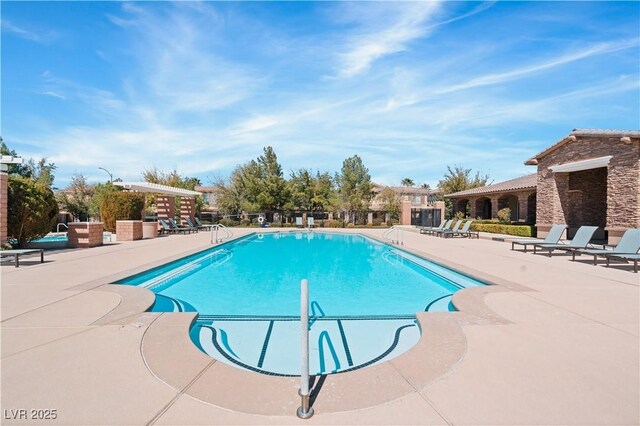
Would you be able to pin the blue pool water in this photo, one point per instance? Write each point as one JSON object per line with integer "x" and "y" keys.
{"x": 363, "y": 294}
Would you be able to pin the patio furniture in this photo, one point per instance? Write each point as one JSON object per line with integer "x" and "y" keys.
{"x": 202, "y": 225}
{"x": 554, "y": 235}
{"x": 464, "y": 232}
{"x": 310, "y": 222}
{"x": 580, "y": 241}
{"x": 19, "y": 252}
{"x": 629, "y": 244}
{"x": 299, "y": 222}
{"x": 455, "y": 228}
{"x": 426, "y": 229}
{"x": 632, "y": 257}
{"x": 178, "y": 228}
{"x": 444, "y": 226}
{"x": 191, "y": 224}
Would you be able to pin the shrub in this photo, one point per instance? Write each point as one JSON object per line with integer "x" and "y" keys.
{"x": 228, "y": 222}
{"x": 333, "y": 224}
{"x": 459, "y": 215}
{"x": 32, "y": 210}
{"x": 350, "y": 225}
{"x": 276, "y": 224}
{"x": 245, "y": 222}
{"x": 377, "y": 222}
{"x": 497, "y": 228}
{"x": 120, "y": 205}
{"x": 504, "y": 215}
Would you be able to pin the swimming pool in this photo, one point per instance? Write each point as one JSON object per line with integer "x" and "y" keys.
{"x": 363, "y": 299}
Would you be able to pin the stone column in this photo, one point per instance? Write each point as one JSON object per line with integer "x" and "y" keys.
{"x": 369, "y": 217}
{"x": 494, "y": 206}
{"x": 522, "y": 206}
{"x": 472, "y": 208}
{"x": 405, "y": 212}
{"x": 4, "y": 200}
{"x": 166, "y": 207}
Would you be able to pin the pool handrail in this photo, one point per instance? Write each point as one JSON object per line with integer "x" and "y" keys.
{"x": 215, "y": 228}
{"x": 399, "y": 235}
{"x": 58, "y": 226}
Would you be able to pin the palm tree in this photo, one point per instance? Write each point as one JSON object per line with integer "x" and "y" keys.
{"x": 407, "y": 182}
{"x": 425, "y": 186}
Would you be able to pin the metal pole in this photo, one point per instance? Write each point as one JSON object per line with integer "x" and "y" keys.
{"x": 304, "y": 411}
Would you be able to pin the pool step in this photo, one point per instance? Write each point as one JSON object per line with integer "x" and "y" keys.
{"x": 272, "y": 346}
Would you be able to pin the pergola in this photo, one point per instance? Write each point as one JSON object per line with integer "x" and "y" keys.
{"x": 166, "y": 198}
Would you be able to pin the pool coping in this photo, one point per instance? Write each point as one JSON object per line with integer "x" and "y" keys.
{"x": 179, "y": 364}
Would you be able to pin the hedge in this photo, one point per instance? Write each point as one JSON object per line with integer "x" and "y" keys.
{"x": 120, "y": 205}
{"x": 494, "y": 228}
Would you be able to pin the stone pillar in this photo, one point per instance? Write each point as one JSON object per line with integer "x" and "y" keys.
{"x": 494, "y": 206}
{"x": 523, "y": 206}
{"x": 369, "y": 217}
{"x": 439, "y": 205}
{"x": 4, "y": 200}
{"x": 187, "y": 208}
{"x": 128, "y": 230}
{"x": 85, "y": 234}
{"x": 472, "y": 208}
{"x": 166, "y": 207}
{"x": 405, "y": 212}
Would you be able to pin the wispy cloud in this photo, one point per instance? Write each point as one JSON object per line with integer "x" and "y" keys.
{"x": 376, "y": 37}
{"x": 498, "y": 78}
{"x": 28, "y": 34}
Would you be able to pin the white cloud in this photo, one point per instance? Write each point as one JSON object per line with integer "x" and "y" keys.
{"x": 28, "y": 34}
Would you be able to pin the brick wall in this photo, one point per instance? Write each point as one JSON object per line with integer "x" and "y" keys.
{"x": 128, "y": 230}
{"x": 85, "y": 235}
{"x": 187, "y": 208}
{"x": 622, "y": 204}
{"x": 4, "y": 185}
{"x": 166, "y": 206}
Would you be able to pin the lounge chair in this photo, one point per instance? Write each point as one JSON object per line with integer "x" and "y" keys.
{"x": 455, "y": 228}
{"x": 310, "y": 222}
{"x": 179, "y": 228}
{"x": 202, "y": 225}
{"x": 427, "y": 229}
{"x": 19, "y": 252}
{"x": 553, "y": 237}
{"x": 172, "y": 227}
{"x": 443, "y": 227}
{"x": 191, "y": 224}
{"x": 580, "y": 241}
{"x": 632, "y": 257}
{"x": 166, "y": 229}
{"x": 464, "y": 232}
{"x": 299, "y": 222}
{"x": 629, "y": 244}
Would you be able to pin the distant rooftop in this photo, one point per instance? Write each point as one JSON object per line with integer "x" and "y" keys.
{"x": 405, "y": 189}
{"x": 524, "y": 182}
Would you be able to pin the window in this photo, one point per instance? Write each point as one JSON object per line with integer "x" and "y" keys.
{"x": 416, "y": 200}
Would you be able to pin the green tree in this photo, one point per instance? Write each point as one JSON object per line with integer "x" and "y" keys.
{"x": 407, "y": 182}
{"x": 273, "y": 191}
{"x": 390, "y": 202}
{"x": 425, "y": 186}
{"x": 99, "y": 193}
{"x": 32, "y": 210}
{"x": 120, "y": 205}
{"x": 312, "y": 193}
{"x": 355, "y": 188}
{"x": 459, "y": 179}
{"x": 76, "y": 198}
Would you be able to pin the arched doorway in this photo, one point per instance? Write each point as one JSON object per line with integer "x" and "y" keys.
{"x": 483, "y": 208}
{"x": 531, "y": 208}
{"x": 511, "y": 202}
{"x": 462, "y": 205}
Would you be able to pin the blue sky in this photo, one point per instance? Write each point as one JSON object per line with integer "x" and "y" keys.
{"x": 410, "y": 87}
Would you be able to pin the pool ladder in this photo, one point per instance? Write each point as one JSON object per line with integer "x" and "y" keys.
{"x": 399, "y": 236}
{"x": 214, "y": 233}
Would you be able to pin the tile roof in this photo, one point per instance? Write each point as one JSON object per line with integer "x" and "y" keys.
{"x": 405, "y": 189}
{"x": 524, "y": 182}
{"x": 582, "y": 132}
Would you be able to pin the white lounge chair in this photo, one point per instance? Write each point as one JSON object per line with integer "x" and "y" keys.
{"x": 299, "y": 222}
{"x": 310, "y": 221}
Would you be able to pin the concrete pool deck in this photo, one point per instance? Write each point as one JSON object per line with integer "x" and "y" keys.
{"x": 554, "y": 342}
